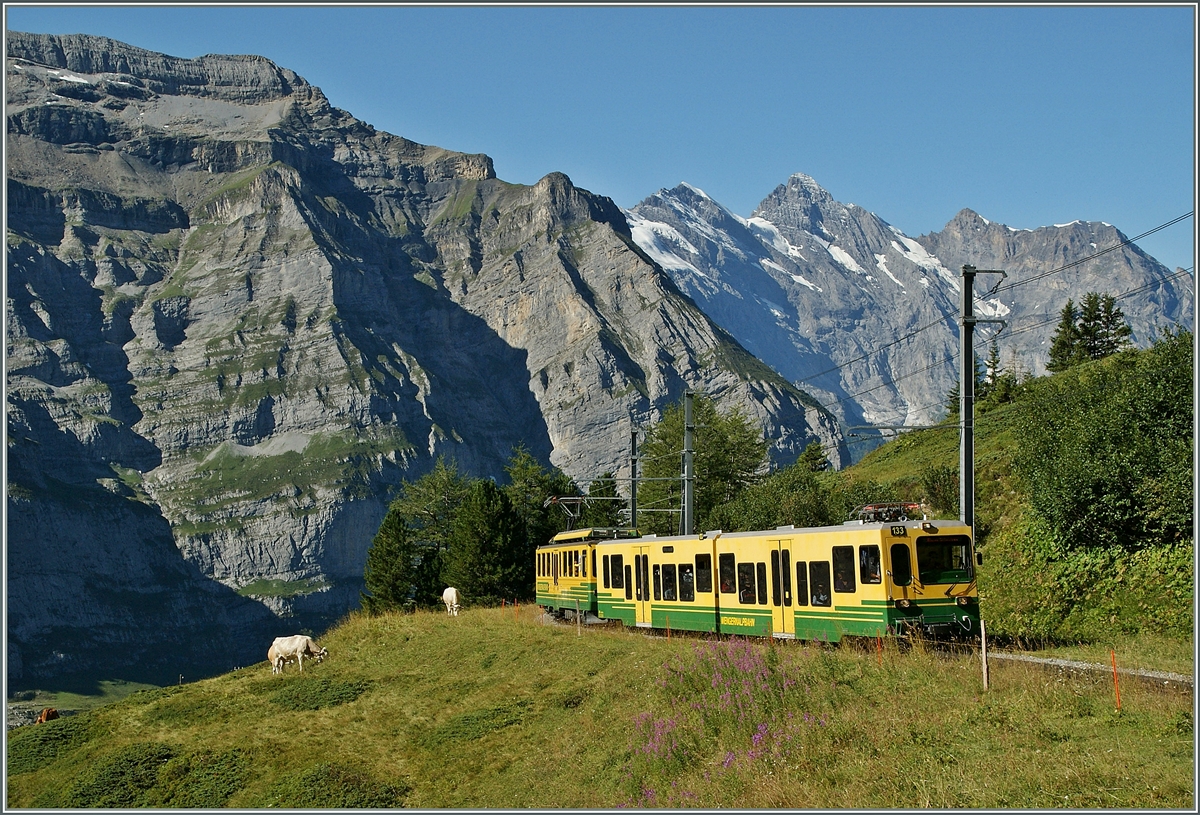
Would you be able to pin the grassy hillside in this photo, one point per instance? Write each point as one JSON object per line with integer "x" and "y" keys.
{"x": 496, "y": 709}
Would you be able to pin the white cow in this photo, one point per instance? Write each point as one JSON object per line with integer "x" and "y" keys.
{"x": 452, "y": 600}
{"x": 296, "y": 647}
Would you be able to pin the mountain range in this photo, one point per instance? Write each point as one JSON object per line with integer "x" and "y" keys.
{"x": 238, "y": 318}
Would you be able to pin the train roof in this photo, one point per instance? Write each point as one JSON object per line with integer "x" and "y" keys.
{"x": 918, "y": 524}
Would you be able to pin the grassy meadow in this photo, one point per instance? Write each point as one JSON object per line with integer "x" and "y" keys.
{"x": 498, "y": 708}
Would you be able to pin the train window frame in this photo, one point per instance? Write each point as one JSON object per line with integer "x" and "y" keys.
{"x": 801, "y": 582}
{"x": 904, "y": 557}
{"x": 820, "y": 568}
{"x": 704, "y": 573}
{"x": 843, "y": 570}
{"x": 687, "y": 583}
{"x": 761, "y": 567}
{"x": 745, "y": 584}
{"x": 583, "y": 563}
{"x": 786, "y": 570}
{"x": 618, "y": 571}
{"x": 657, "y": 573}
{"x": 726, "y": 563}
{"x": 670, "y": 590}
{"x": 776, "y": 580}
{"x": 870, "y": 564}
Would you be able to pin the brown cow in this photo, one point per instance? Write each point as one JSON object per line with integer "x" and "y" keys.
{"x": 46, "y": 715}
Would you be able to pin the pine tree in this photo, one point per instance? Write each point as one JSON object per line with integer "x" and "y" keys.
{"x": 603, "y": 511}
{"x": 391, "y": 573}
{"x": 1114, "y": 332}
{"x": 529, "y": 485}
{"x": 730, "y": 453}
{"x": 1064, "y": 347}
{"x": 813, "y": 459}
{"x": 486, "y": 560}
{"x": 427, "y": 507}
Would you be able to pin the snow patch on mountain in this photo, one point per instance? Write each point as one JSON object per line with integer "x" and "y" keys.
{"x": 843, "y": 257}
{"x": 651, "y": 237}
{"x": 769, "y": 234}
{"x": 881, "y": 263}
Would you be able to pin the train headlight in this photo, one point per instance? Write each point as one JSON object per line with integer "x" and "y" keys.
{"x": 964, "y": 600}
{"x": 903, "y": 604}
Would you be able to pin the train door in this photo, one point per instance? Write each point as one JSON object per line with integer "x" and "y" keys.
{"x": 783, "y": 616}
{"x": 641, "y": 584}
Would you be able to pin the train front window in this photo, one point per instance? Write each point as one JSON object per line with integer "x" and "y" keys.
{"x": 901, "y": 564}
{"x": 944, "y": 558}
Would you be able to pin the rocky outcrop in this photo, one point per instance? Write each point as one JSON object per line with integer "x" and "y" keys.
{"x": 865, "y": 318}
{"x": 238, "y": 318}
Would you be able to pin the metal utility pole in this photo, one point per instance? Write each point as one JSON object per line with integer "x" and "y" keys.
{"x": 688, "y": 474}
{"x": 966, "y": 388}
{"x": 633, "y": 473}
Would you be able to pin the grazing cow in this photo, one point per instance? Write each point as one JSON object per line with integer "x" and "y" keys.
{"x": 452, "y": 600}
{"x": 46, "y": 715}
{"x": 297, "y": 647}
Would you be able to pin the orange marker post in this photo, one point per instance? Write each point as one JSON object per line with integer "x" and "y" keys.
{"x": 1116, "y": 684}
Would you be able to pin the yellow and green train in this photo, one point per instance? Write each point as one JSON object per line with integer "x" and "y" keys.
{"x": 821, "y": 583}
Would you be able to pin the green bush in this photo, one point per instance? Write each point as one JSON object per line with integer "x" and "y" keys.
{"x": 335, "y": 786}
{"x": 305, "y": 693}
{"x": 121, "y": 779}
{"x": 202, "y": 779}
{"x": 35, "y": 746}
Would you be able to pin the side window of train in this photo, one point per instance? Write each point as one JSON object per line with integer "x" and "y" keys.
{"x": 868, "y": 564}
{"x": 801, "y": 583}
{"x": 762, "y": 583}
{"x": 687, "y": 587}
{"x": 657, "y": 582}
{"x": 704, "y": 573}
{"x": 628, "y": 585}
{"x": 843, "y": 568}
{"x": 776, "y": 581}
{"x": 728, "y": 573}
{"x": 618, "y": 571}
{"x": 901, "y": 564}
{"x": 575, "y": 558}
{"x": 745, "y": 583}
{"x": 818, "y": 580}
{"x": 607, "y": 572}
{"x": 593, "y": 563}
{"x": 668, "y": 578}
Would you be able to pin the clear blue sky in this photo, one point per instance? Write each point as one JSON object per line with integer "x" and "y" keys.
{"x": 1028, "y": 115}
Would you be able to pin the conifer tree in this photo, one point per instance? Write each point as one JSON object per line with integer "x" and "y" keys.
{"x": 486, "y": 560}
{"x": 1064, "y": 346}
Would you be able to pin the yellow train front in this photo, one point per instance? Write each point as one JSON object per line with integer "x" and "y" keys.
{"x": 566, "y": 571}
{"x": 820, "y": 583}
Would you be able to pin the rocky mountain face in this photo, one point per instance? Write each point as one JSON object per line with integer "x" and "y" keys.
{"x": 238, "y": 317}
{"x": 867, "y": 319}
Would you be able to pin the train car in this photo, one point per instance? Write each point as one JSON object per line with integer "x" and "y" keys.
{"x": 566, "y": 570}
{"x": 863, "y": 578}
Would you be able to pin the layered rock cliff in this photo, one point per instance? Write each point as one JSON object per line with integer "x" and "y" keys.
{"x": 238, "y": 317}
